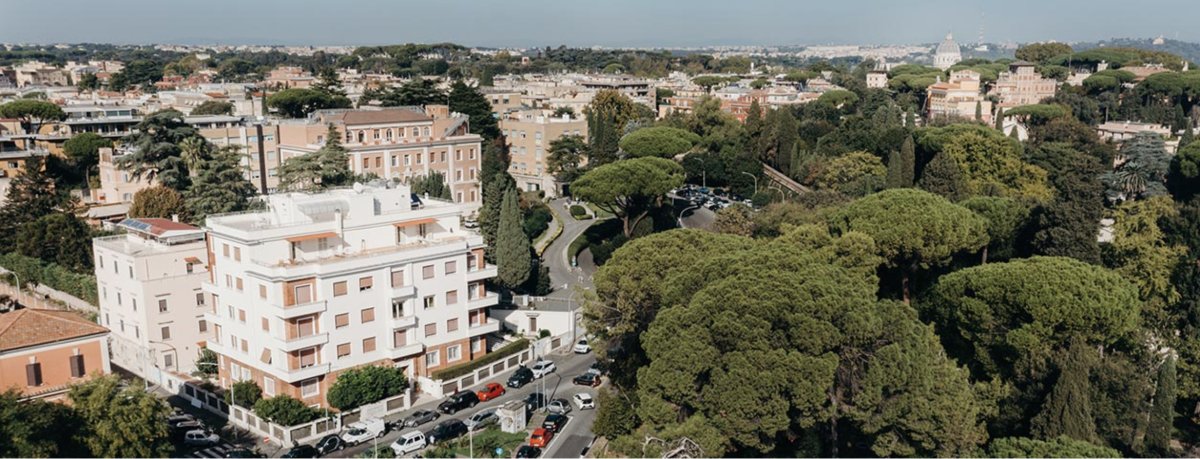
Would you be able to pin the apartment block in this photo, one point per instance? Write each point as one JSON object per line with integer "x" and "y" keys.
{"x": 397, "y": 143}
{"x": 43, "y": 352}
{"x": 318, "y": 284}
{"x": 221, "y": 130}
{"x": 117, "y": 185}
{"x": 150, "y": 298}
{"x": 957, "y": 98}
{"x": 1022, "y": 85}
{"x": 528, "y": 134}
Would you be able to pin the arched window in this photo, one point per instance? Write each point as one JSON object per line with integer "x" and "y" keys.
{"x": 362, "y": 136}
{"x": 388, "y": 135}
{"x": 349, "y": 136}
{"x": 426, "y": 132}
{"x": 416, "y": 132}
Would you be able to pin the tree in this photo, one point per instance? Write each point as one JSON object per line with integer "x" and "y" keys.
{"x": 942, "y": 176}
{"x": 564, "y": 157}
{"x": 120, "y": 422}
{"x": 663, "y": 142}
{"x": 1041, "y": 53}
{"x": 1162, "y": 415}
{"x": 88, "y": 82}
{"x": 629, "y": 188}
{"x": 83, "y": 150}
{"x": 1068, "y": 410}
{"x": 1144, "y": 172}
{"x": 1005, "y": 217}
{"x": 512, "y": 246}
{"x": 901, "y": 165}
{"x": 32, "y": 113}
{"x": 117, "y": 82}
{"x": 361, "y": 386}
{"x": 37, "y": 428}
{"x": 1183, "y": 179}
{"x": 614, "y": 416}
{"x": 735, "y": 219}
{"x": 912, "y": 229}
{"x": 416, "y": 92}
{"x": 434, "y": 184}
{"x": 324, "y": 168}
{"x": 329, "y": 84}
{"x": 299, "y": 102}
{"x": 30, "y": 196}
{"x": 607, "y": 117}
{"x": 59, "y": 238}
{"x": 213, "y": 107}
{"x": 1069, "y": 224}
{"x": 1139, "y": 250}
{"x": 143, "y": 72}
{"x": 992, "y": 160}
{"x": 469, "y": 101}
{"x": 206, "y": 363}
{"x": 284, "y": 410}
{"x": 155, "y": 152}
{"x": 221, "y": 186}
{"x": 244, "y": 394}
{"x": 1059, "y": 447}
{"x": 978, "y": 111}
{"x": 843, "y": 172}
{"x": 157, "y": 202}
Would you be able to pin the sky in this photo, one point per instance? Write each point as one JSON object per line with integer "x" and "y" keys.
{"x": 614, "y": 23}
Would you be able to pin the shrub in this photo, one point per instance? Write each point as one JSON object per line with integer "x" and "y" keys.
{"x": 537, "y": 221}
{"x": 285, "y": 410}
{"x": 245, "y": 393}
{"x": 544, "y": 333}
{"x": 35, "y": 271}
{"x": 578, "y": 211}
{"x": 468, "y": 367}
{"x": 369, "y": 384}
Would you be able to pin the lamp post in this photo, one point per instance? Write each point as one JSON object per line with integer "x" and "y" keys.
{"x": 19, "y": 292}
{"x": 755, "y": 181}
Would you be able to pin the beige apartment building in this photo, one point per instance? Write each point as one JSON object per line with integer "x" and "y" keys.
{"x": 150, "y": 298}
{"x": 503, "y": 99}
{"x": 528, "y": 134}
{"x": 318, "y": 284}
{"x": 397, "y": 143}
{"x": 957, "y": 97}
{"x": 1022, "y": 85}
{"x": 116, "y": 185}
{"x": 221, "y": 130}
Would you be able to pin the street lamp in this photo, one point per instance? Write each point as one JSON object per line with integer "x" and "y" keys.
{"x": 755, "y": 177}
{"x": 19, "y": 292}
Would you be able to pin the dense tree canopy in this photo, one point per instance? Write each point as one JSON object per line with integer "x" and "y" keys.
{"x": 299, "y": 102}
{"x": 628, "y": 188}
{"x": 663, "y": 142}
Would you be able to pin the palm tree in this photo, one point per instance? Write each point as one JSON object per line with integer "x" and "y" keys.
{"x": 194, "y": 151}
{"x": 1133, "y": 179}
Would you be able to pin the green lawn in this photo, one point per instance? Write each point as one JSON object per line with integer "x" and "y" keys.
{"x": 600, "y": 213}
{"x": 486, "y": 442}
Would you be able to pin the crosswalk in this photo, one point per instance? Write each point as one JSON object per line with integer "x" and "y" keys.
{"x": 213, "y": 452}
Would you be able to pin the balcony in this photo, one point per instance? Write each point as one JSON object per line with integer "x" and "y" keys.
{"x": 404, "y": 321}
{"x": 295, "y": 344}
{"x": 406, "y": 351}
{"x": 491, "y": 326}
{"x": 404, "y": 291}
{"x": 294, "y": 376}
{"x": 291, "y": 312}
{"x": 478, "y": 274}
{"x": 483, "y": 301}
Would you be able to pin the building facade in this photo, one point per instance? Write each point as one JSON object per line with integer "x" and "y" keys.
{"x": 958, "y": 98}
{"x": 43, "y": 352}
{"x": 150, "y": 298}
{"x": 318, "y": 284}
{"x": 1022, "y": 85}
{"x": 947, "y": 54}
{"x": 528, "y": 134}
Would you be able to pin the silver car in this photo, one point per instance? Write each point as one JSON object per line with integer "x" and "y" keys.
{"x": 421, "y": 417}
{"x": 478, "y": 420}
{"x": 559, "y": 406}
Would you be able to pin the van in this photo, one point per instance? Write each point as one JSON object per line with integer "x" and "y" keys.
{"x": 364, "y": 430}
{"x": 408, "y": 443}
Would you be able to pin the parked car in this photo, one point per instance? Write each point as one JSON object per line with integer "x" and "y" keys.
{"x": 526, "y": 451}
{"x": 175, "y": 419}
{"x": 330, "y": 444}
{"x": 520, "y": 377}
{"x": 408, "y": 443}
{"x": 535, "y": 401}
{"x": 543, "y": 368}
{"x": 587, "y": 379}
{"x": 447, "y": 430}
{"x": 201, "y": 438}
{"x": 584, "y": 401}
{"x": 420, "y": 417}
{"x": 541, "y": 437}
{"x": 364, "y": 430}
{"x": 477, "y": 420}
{"x": 458, "y": 402}
{"x": 582, "y": 347}
{"x": 187, "y": 426}
{"x": 559, "y": 406}
{"x": 555, "y": 422}
{"x": 301, "y": 451}
{"x": 470, "y": 223}
{"x": 492, "y": 390}
{"x": 242, "y": 453}
{"x": 596, "y": 369}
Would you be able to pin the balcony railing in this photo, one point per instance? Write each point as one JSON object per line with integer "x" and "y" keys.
{"x": 291, "y": 312}
{"x": 406, "y": 350}
{"x": 490, "y": 326}
{"x": 300, "y": 342}
{"x": 483, "y": 301}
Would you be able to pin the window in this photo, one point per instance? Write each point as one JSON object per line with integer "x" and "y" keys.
{"x": 452, "y": 325}
{"x": 397, "y": 278}
{"x": 443, "y": 156}
{"x": 454, "y": 353}
{"x": 101, "y": 261}
{"x": 432, "y": 359}
{"x": 131, "y": 271}
{"x": 225, "y": 250}
{"x": 262, "y": 291}
{"x": 365, "y": 283}
{"x": 266, "y": 324}
{"x": 369, "y": 345}
{"x": 237, "y": 254}
{"x": 341, "y": 320}
{"x": 451, "y": 267}
{"x": 399, "y": 338}
{"x": 339, "y": 288}
{"x": 304, "y": 294}
{"x": 137, "y": 332}
{"x": 368, "y": 315}
{"x": 203, "y": 326}
{"x": 429, "y": 302}
{"x": 245, "y": 346}
{"x": 416, "y": 132}
{"x": 33, "y": 374}
{"x": 395, "y": 161}
{"x": 406, "y": 160}
{"x": 200, "y": 299}
{"x": 309, "y": 387}
{"x": 430, "y": 329}
{"x": 78, "y": 369}
{"x": 451, "y": 297}
{"x": 162, "y": 305}
{"x": 166, "y": 333}
{"x": 427, "y": 131}
{"x": 242, "y": 315}
{"x": 168, "y": 360}
{"x": 522, "y": 133}
{"x": 118, "y": 298}
{"x": 308, "y": 357}
{"x": 134, "y": 300}
{"x": 427, "y": 272}
{"x": 343, "y": 350}
{"x": 476, "y": 345}
{"x": 269, "y": 386}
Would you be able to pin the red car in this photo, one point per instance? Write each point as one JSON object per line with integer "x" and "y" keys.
{"x": 492, "y": 390}
{"x": 541, "y": 437}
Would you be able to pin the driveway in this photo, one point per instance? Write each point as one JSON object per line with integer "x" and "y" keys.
{"x": 561, "y": 271}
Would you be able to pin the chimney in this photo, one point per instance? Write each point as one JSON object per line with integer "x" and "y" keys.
{"x": 175, "y": 218}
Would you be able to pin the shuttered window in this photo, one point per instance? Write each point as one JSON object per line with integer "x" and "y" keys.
{"x": 369, "y": 345}
{"x": 343, "y": 350}
{"x": 365, "y": 283}
{"x": 339, "y": 288}
{"x": 166, "y": 333}
{"x": 451, "y": 267}
{"x": 77, "y": 367}
{"x": 400, "y": 338}
{"x": 427, "y": 272}
{"x": 452, "y": 297}
{"x": 430, "y": 329}
{"x": 308, "y": 357}
{"x": 304, "y": 294}
{"x": 397, "y": 278}
{"x": 452, "y": 325}
{"x": 33, "y": 374}
{"x": 342, "y": 320}
{"x": 368, "y": 315}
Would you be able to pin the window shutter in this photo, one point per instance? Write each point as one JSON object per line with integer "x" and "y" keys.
{"x": 339, "y": 288}
{"x": 452, "y": 297}
{"x": 368, "y": 315}
{"x": 77, "y": 367}
{"x": 33, "y": 374}
{"x": 369, "y": 345}
{"x": 342, "y": 320}
{"x": 397, "y": 278}
{"x": 452, "y": 325}
{"x": 430, "y": 329}
{"x": 266, "y": 356}
{"x": 365, "y": 283}
{"x": 427, "y": 272}
{"x": 343, "y": 350}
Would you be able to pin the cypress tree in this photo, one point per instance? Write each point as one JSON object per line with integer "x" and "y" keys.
{"x": 1014, "y": 133}
{"x": 910, "y": 119}
{"x": 1188, "y": 135}
{"x": 1162, "y": 415}
{"x": 30, "y": 196}
{"x": 942, "y": 176}
{"x": 1068, "y": 408}
{"x": 978, "y": 111}
{"x": 512, "y": 245}
{"x": 1180, "y": 119}
{"x": 908, "y": 163}
{"x": 893, "y": 170}
{"x": 1000, "y": 120}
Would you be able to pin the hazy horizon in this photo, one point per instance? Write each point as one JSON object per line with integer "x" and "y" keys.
{"x": 620, "y": 23}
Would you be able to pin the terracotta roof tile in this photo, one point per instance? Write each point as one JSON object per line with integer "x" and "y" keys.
{"x": 398, "y": 115}
{"x": 31, "y": 327}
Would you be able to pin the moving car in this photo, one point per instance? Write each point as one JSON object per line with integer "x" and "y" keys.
{"x": 520, "y": 377}
{"x": 492, "y": 390}
{"x": 477, "y": 420}
{"x": 541, "y": 437}
{"x": 526, "y": 451}
{"x": 364, "y": 430}
{"x": 555, "y": 422}
{"x": 408, "y": 443}
{"x": 587, "y": 379}
{"x": 559, "y": 406}
{"x": 584, "y": 401}
{"x": 420, "y": 417}
{"x": 535, "y": 401}
{"x": 301, "y": 451}
{"x": 330, "y": 444}
{"x": 543, "y": 368}
{"x": 447, "y": 430}
{"x": 458, "y": 402}
{"x": 582, "y": 347}
{"x": 201, "y": 438}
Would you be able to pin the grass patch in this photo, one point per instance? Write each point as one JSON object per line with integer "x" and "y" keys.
{"x": 595, "y": 235}
{"x": 600, "y": 213}
{"x": 486, "y": 442}
{"x": 468, "y": 367}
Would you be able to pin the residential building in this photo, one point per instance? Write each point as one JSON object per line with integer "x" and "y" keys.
{"x": 1119, "y": 131}
{"x": 947, "y": 53}
{"x": 43, "y": 352}
{"x": 318, "y": 284}
{"x": 503, "y": 100}
{"x": 289, "y": 77}
{"x": 958, "y": 97}
{"x": 117, "y": 185}
{"x": 528, "y": 134}
{"x": 1022, "y": 85}
{"x": 35, "y": 73}
{"x": 221, "y": 130}
{"x": 397, "y": 143}
{"x": 877, "y": 79}
{"x": 150, "y": 298}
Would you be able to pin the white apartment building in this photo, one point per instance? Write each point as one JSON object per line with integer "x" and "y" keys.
{"x": 321, "y": 283}
{"x": 150, "y": 298}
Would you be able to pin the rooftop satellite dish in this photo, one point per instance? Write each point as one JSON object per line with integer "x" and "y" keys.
{"x": 358, "y": 187}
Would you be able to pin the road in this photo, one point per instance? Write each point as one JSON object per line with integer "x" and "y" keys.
{"x": 693, "y": 217}
{"x": 561, "y": 271}
{"x": 575, "y": 435}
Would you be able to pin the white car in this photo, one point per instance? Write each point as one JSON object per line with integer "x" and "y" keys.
{"x": 364, "y": 430}
{"x": 201, "y": 438}
{"x": 479, "y": 419}
{"x": 582, "y": 347}
{"x": 543, "y": 368}
{"x": 584, "y": 401}
{"x": 408, "y": 443}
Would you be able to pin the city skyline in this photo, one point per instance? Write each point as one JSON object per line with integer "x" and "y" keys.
{"x": 529, "y": 23}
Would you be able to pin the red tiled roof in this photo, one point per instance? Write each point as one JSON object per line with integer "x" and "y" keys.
{"x": 158, "y": 226}
{"x": 31, "y": 327}
{"x": 399, "y": 115}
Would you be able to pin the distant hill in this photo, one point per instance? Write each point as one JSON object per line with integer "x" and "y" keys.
{"x": 1187, "y": 50}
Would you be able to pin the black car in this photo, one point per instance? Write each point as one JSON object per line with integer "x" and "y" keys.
{"x": 301, "y": 451}
{"x": 459, "y": 402}
{"x": 447, "y": 430}
{"x": 555, "y": 422}
{"x": 587, "y": 379}
{"x": 529, "y": 451}
{"x": 330, "y": 444}
{"x": 242, "y": 453}
{"x": 520, "y": 377}
{"x": 535, "y": 401}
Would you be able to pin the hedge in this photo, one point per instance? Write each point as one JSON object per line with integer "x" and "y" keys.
{"x": 468, "y": 367}
{"x": 35, "y": 271}
{"x": 578, "y": 211}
